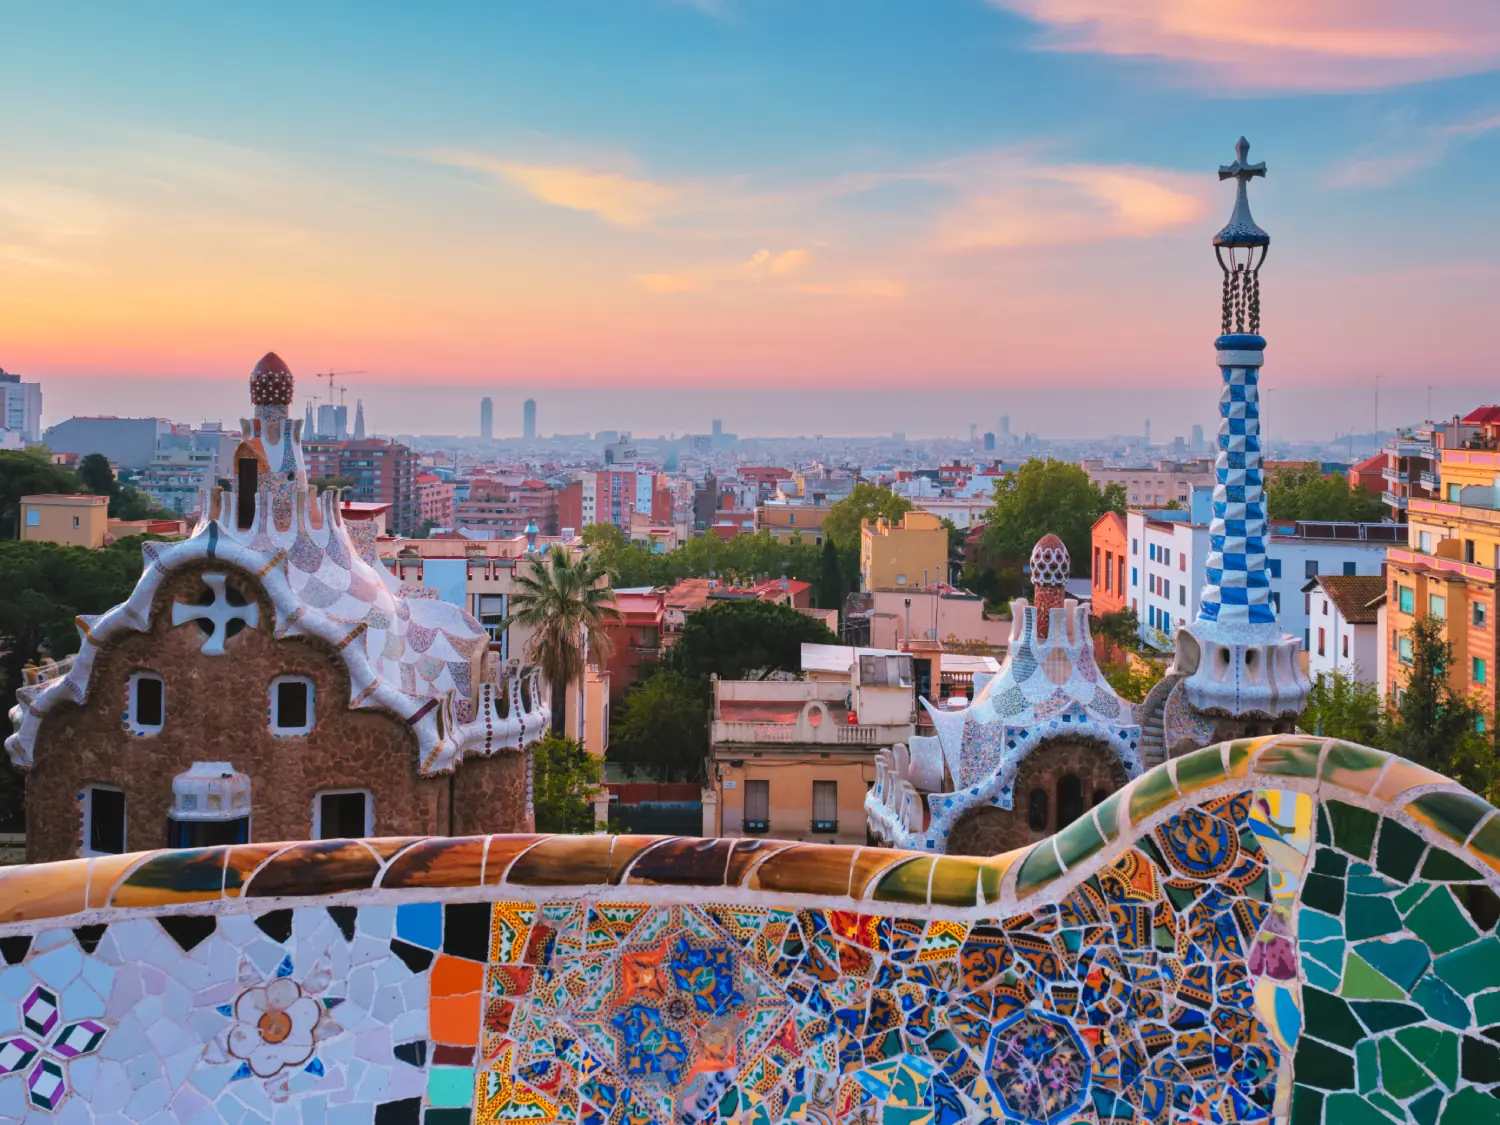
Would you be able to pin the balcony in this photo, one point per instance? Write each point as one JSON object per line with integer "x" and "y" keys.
{"x": 1409, "y": 447}
{"x": 1397, "y": 502}
{"x": 1395, "y": 476}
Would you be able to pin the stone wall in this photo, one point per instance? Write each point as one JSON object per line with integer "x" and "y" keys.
{"x": 217, "y": 709}
{"x": 1288, "y": 929}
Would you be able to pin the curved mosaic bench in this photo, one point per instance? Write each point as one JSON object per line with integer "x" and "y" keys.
{"x": 1283, "y": 929}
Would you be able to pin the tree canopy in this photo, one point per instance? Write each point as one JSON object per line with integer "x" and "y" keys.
{"x": 1436, "y": 727}
{"x": 864, "y": 502}
{"x": 744, "y": 640}
{"x": 1047, "y": 496}
{"x": 661, "y": 728}
{"x": 1341, "y": 706}
{"x": 745, "y": 558}
{"x": 565, "y": 779}
{"x": 28, "y": 473}
{"x": 1303, "y": 493}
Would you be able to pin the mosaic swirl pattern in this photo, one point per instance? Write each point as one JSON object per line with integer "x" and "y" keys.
{"x": 1274, "y": 930}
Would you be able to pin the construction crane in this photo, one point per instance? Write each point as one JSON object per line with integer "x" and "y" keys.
{"x": 330, "y": 376}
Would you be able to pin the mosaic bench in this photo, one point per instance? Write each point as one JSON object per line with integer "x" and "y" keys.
{"x": 1284, "y": 929}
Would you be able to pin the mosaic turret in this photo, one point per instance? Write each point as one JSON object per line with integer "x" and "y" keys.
{"x": 1234, "y": 657}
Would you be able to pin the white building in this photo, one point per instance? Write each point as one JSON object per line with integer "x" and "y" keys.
{"x": 1168, "y": 555}
{"x": 1344, "y": 629}
{"x": 20, "y": 412}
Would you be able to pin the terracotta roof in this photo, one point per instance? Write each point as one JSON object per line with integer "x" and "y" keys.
{"x": 1352, "y": 595}
{"x": 1483, "y": 416}
{"x": 1371, "y": 464}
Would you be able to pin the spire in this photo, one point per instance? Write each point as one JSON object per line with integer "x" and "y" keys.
{"x": 1050, "y": 568}
{"x": 308, "y": 431}
{"x": 359, "y": 419}
{"x": 1237, "y": 244}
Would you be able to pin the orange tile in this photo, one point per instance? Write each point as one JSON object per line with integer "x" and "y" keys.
{"x": 455, "y": 976}
{"x": 455, "y": 1019}
{"x": 438, "y": 862}
{"x": 43, "y": 890}
{"x": 105, "y": 872}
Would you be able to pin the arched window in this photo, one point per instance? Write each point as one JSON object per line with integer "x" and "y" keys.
{"x": 1036, "y": 810}
{"x": 1069, "y": 800}
{"x": 247, "y": 480}
{"x": 1099, "y": 797}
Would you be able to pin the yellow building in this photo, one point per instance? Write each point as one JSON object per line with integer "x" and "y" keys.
{"x": 72, "y": 520}
{"x": 912, "y": 553}
{"x": 786, "y": 521}
{"x": 1448, "y": 568}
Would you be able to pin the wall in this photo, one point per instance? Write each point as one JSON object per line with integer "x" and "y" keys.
{"x": 216, "y": 710}
{"x": 73, "y": 521}
{"x": 934, "y": 616}
{"x": 129, "y": 443}
{"x": 911, "y": 553}
{"x": 790, "y": 773}
{"x": 1290, "y": 930}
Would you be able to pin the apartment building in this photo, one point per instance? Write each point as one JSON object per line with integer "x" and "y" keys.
{"x": 787, "y": 520}
{"x": 1152, "y": 486}
{"x": 383, "y": 472}
{"x": 435, "y": 500}
{"x": 913, "y": 552}
{"x": 507, "y": 506}
{"x": 72, "y": 519}
{"x": 1345, "y": 624}
{"x": 1108, "y": 576}
{"x": 1412, "y": 461}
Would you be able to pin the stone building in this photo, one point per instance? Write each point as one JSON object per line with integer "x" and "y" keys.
{"x": 1042, "y": 742}
{"x": 270, "y": 649}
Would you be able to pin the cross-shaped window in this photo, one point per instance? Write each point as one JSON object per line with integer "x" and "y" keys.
{"x": 220, "y": 612}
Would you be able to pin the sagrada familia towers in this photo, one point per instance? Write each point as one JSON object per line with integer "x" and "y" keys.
{"x": 1047, "y": 737}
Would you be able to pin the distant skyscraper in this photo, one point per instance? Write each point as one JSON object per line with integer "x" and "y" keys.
{"x": 487, "y": 419}
{"x": 1005, "y": 424}
{"x": 973, "y": 432}
{"x": 359, "y": 419}
{"x": 1197, "y": 438}
{"x": 718, "y": 427}
{"x": 20, "y": 411}
{"x": 989, "y": 443}
{"x": 528, "y": 419}
{"x": 1148, "y": 433}
{"x": 309, "y": 428}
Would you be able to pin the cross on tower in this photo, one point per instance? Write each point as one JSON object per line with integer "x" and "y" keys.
{"x": 1242, "y": 170}
{"x": 218, "y": 615}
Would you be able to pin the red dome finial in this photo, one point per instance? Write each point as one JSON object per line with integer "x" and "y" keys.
{"x": 271, "y": 382}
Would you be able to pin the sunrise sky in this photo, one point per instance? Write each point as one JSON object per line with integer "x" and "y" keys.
{"x": 553, "y": 196}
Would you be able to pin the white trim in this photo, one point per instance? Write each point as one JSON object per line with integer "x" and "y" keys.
{"x": 317, "y": 809}
{"x": 274, "y": 707}
{"x": 88, "y": 819}
{"x": 132, "y": 717}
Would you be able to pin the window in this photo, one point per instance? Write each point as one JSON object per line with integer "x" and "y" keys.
{"x": 1403, "y": 649}
{"x": 1453, "y": 494}
{"x": 1036, "y": 810}
{"x": 1325, "y": 606}
{"x": 1097, "y": 568}
{"x": 900, "y": 580}
{"x": 1322, "y": 641}
{"x": 147, "y": 703}
{"x": 1135, "y": 546}
{"x": 75, "y": 521}
{"x": 291, "y": 705}
{"x": 33, "y": 518}
{"x": 1069, "y": 800}
{"x": 825, "y": 806}
{"x": 1468, "y": 550}
{"x": 885, "y": 671}
{"x": 1306, "y": 639}
{"x": 1181, "y": 561}
{"x": 1166, "y": 589}
{"x": 1424, "y": 542}
{"x": 1346, "y": 645}
{"x": 1437, "y": 606}
{"x": 340, "y": 814}
{"x": 757, "y": 806}
{"x": 1481, "y": 614}
{"x": 492, "y": 616}
{"x": 1481, "y": 671}
{"x": 1135, "y": 577}
{"x": 1479, "y": 723}
{"x": 1310, "y": 568}
{"x": 1151, "y": 551}
{"x": 1348, "y": 568}
{"x": 209, "y": 833}
{"x": 1167, "y": 555}
{"x": 1275, "y": 565}
{"x": 1406, "y": 599}
{"x": 1099, "y": 797}
{"x": 1166, "y": 624}
{"x": 103, "y": 820}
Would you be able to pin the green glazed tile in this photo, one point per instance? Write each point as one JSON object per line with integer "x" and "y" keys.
{"x": 1425, "y": 1109}
{"x": 1325, "y": 893}
{"x": 1353, "y": 766}
{"x": 1290, "y": 757}
{"x": 1314, "y": 926}
{"x": 1441, "y": 1002}
{"x": 1398, "y": 850}
{"x": 906, "y": 882}
{"x": 1361, "y": 982}
{"x": 1108, "y": 813}
{"x": 1316, "y": 974}
{"x": 1351, "y": 1109}
{"x": 1455, "y": 815}
{"x": 1353, "y": 828}
{"x": 1078, "y": 841}
{"x": 1435, "y": 1049}
{"x": 1487, "y": 1008}
{"x": 1366, "y": 1066}
{"x": 1200, "y": 769}
{"x": 1470, "y": 1107}
{"x": 1038, "y": 869}
{"x": 1400, "y": 1073}
{"x": 1444, "y": 868}
{"x": 1329, "y": 953}
{"x": 1328, "y": 1018}
{"x": 1384, "y": 1015}
{"x": 1152, "y": 792}
{"x": 1480, "y": 903}
{"x": 1479, "y": 1061}
{"x": 1307, "y": 1106}
{"x": 1329, "y": 862}
{"x": 1402, "y": 962}
{"x": 1239, "y": 755}
{"x": 1324, "y": 1067}
{"x": 1471, "y": 969}
{"x": 1368, "y": 916}
{"x": 1411, "y": 896}
{"x": 955, "y": 881}
{"x": 1486, "y": 842}
{"x": 1439, "y": 922}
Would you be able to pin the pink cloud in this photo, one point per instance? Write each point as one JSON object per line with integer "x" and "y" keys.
{"x": 1312, "y": 45}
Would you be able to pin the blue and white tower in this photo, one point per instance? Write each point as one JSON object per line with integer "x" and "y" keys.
{"x": 1235, "y": 659}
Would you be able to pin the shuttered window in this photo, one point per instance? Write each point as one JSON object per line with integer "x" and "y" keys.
{"x": 757, "y": 806}
{"x": 825, "y": 806}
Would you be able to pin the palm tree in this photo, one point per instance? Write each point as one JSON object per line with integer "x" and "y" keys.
{"x": 567, "y": 606}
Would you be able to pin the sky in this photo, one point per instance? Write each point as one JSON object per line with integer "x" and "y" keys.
{"x": 649, "y": 212}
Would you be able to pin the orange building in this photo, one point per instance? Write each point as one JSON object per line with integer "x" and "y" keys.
{"x": 1110, "y": 544}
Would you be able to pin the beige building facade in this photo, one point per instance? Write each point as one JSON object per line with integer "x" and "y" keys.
{"x": 912, "y": 553}
{"x": 79, "y": 520}
{"x": 1148, "y": 486}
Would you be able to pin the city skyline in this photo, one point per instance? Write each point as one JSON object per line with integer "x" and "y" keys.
{"x": 686, "y": 195}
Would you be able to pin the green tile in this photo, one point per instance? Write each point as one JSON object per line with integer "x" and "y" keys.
{"x": 1400, "y": 1075}
{"x": 1078, "y": 841}
{"x": 1291, "y": 757}
{"x": 450, "y": 1085}
{"x": 1353, "y": 828}
{"x": 1314, "y": 926}
{"x": 1471, "y": 969}
{"x": 1400, "y": 961}
{"x": 1439, "y": 922}
{"x": 1425, "y": 1109}
{"x": 1325, "y": 834}
{"x": 1325, "y": 893}
{"x": 1480, "y": 903}
{"x": 1108, "y": 812}
{"x": 1351, "y": 1109}
{"x": 1366, "y": 1066}
{"x": 1455, "y": 815}
{"x": 1317, "y": 975}
{"x": 1435, "y": 1049}
{"x": 1487, "y": 1008}
{"x": 1323, "y": 1067}
{"x": 1470, "y": 1107}
{"x": 1441, "y": 1002}
{"x": 1383, "y": 1015}
{"x": 1388, "y": 1104}
{"x": 906, "y": 882}
{"x": 1329, "y": 953}
{"x": 1398, "y": 850}
{"x": 1238, "y": 752}
{"x": 1368, "y": 916}
{"x": 1152, "y": 792}
{"x": 1199, "y": 769}
{"x": 1307, "y": 1106}
{"x": 1479, "y": 1061}
{"x": 1038, "y": 869}
{"x": 1350, "y": 757}
{"x": 1486, "y": 841}
{"x": 1411, "y": 896}
{"x": 1362, "y": 982}
{"x": 1444, "y": 868}
{"x": 1328, "y": 1018}
{"x": 1329, "y": 862}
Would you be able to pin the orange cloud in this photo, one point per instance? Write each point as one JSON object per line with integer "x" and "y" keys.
{"x": 1311, "y": 45}
{"x": 619, "y": 199}
{"x": 761, "y": 265}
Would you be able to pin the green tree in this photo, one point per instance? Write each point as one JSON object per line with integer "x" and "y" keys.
{"x": 95, "y": 475}
{"x": 565, "y": 780}
{"x": 1121, "y": 628}
{"x": 661, "y": 729}
{"x": 1435, "y": 726}
{"x": 1043, "y": 496}
{"x": 129, "y": 503}
{"x": 1129, "y": 684}
{"x": 1341, "y": 706}
{"x": 1303, "y": 493}
{"x": 864, "y": 502}
{"x": 567, "y": 605}
{"x": 743, "y": 640}
{"x": 27, "y": 473}
{"x": 831, "y": 584}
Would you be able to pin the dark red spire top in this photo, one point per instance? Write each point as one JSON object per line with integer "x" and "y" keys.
{"x": 271, "y": 382}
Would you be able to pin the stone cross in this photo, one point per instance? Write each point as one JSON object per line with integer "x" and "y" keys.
{"x": 1242, "y": 170}
{"x": 220, "y": 612}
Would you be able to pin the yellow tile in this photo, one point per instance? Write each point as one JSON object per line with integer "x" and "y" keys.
{"x": 43, "y": 890}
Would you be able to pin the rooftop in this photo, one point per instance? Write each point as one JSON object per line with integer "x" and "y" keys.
{"x": 1353, "y": 595}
